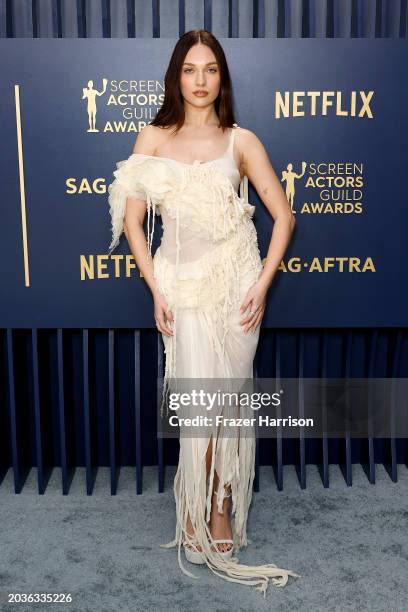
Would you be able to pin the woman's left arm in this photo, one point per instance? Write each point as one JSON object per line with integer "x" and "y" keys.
{"x": 255, "y": 164}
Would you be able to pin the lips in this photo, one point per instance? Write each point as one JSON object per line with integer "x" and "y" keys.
{"x": 200, "y": 93}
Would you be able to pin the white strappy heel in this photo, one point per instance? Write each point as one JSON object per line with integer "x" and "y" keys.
{"x": 192, "y": 554}
{"x": 225, "y": 554}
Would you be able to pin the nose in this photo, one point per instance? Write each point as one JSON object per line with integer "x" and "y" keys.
{"x": 200, "y": 80}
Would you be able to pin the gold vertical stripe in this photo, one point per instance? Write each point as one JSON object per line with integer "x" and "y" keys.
{"x": 22, "y": 187}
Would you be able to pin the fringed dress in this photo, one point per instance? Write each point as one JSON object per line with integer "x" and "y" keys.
{"x": 207, "y": 260}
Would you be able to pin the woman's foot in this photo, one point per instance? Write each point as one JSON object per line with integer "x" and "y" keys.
{"x": 220, "y": 524}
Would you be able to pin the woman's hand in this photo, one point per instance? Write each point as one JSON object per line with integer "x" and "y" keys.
{"x": 162, "y": 314}
{"x": 256, "y": 300}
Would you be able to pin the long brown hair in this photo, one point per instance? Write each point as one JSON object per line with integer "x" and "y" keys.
{"x": 171, "y": 113}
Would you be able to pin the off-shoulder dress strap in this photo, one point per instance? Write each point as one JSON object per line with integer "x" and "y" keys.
{"x": 230, "y": 150}
{"x": 243, "y": 185}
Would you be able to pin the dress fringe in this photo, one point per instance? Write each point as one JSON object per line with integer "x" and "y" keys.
{"x": 220, "y": 288}
{"x": 199, "y": 508}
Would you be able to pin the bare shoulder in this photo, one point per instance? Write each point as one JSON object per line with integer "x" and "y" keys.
{"x": 148, "y": 140}
{"x": 248, "y": 146}
{"x": 247, "y": 140}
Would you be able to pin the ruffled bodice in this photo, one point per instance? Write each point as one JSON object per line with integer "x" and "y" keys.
{"x": 201, "y": 196}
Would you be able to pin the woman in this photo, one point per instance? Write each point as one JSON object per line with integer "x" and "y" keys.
{"x": 207, "y": 281}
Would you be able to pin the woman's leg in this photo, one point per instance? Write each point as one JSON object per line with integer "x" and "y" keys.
{"x": 189, "y": 526}
{"x": 220, "y": 524}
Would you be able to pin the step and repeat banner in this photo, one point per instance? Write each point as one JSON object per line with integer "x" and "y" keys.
{"x": 332, "y": 115}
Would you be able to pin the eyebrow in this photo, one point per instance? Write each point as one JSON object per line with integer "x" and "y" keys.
{"x": 192, "y": 64}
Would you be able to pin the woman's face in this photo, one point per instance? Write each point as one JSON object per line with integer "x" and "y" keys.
{"x": 200, "y": 73}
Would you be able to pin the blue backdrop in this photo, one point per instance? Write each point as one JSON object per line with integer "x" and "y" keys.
{"x": 331, "y": 114}
{"x": 87, "y": 397}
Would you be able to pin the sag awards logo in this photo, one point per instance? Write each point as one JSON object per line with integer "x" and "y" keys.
{"x": 330, "y": 187}
{"x": 288, "y": 177}
{"x": 127, "y": 105}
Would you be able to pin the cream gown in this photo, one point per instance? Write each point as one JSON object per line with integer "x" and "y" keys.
{"x": 206, "y": 262}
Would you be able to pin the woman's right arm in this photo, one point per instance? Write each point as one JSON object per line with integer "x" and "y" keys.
{"x": 133, "y": 229}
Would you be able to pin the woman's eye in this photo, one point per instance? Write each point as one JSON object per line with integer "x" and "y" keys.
{"x": 210, "y": 69}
